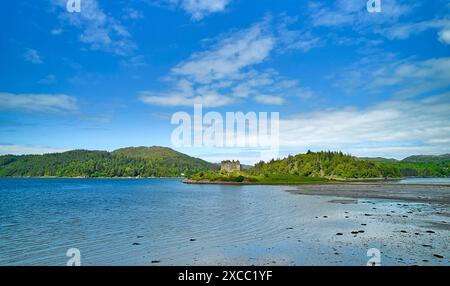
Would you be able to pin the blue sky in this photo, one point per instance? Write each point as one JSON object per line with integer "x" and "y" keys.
{"x": 113, "y": 75}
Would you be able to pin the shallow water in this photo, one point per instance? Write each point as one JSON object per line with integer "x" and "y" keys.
{"x": 165, "y": 222}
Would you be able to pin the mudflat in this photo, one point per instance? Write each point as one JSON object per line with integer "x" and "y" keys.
{"x": 439, "y": 194}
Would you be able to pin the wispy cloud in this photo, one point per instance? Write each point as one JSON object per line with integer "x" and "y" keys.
{"x": 413, "y": 77}
{"x": 133, "y": 14}
{"x": 198, "y": 9}
{"x": 232, "y": 54}
{"x": 185, "y": 95}
{"x": 229, "y": 72}
{"x": 402, "y": 31}
{"x": 394, "y": 128}
{"x": 16, "y": 149}
{"x": 49, "y": 79}
{"x": 135, "y": 62}
{"x": 389, "y": 75}
{"x": 444, "y": 35}
{"x": 269, "y": 99}
{"x": 42, "y": 103}
{"x": 99, "y": 30}
{"x": 33, "y": 56}
{"x": 353, "y": 13}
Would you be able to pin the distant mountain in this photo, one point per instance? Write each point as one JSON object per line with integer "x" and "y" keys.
{"x": 127, "y": 162}
{"x": 376, "y": 159}
{"x": 154, "y": 152}
{"x": 427, "y": 158}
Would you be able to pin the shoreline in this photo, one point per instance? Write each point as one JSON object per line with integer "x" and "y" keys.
{"x": 351, "y": 182}
{"x": 330, "y": 183}
{"x": 90, "y": 178}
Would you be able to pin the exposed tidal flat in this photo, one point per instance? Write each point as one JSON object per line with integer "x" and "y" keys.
{"x": 165, "y": 222}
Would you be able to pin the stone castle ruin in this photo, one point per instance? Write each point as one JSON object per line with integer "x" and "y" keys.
{"x": 230, "y": 166}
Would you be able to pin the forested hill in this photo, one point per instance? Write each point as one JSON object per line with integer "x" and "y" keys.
{"x": 127, "y": 162}
{"x": 321, "y": 164}
{"x": 339, "y": 165}
{"x": 428, "y": 158}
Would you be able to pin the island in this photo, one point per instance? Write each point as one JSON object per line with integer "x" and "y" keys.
{"x": 324, "y": 168}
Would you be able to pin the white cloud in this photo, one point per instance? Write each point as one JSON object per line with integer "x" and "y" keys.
{"x": 394, "y": 128}
{"x": 44, "y": 103}
{"x": 444, "y": 36}
{"x": 198, "y": 9}
{"x": 354, "y": 13}
{"x": 49, "y": 79}
{"x": 227, "y": 73}
{"x": 402, "y": 31}
{"x": 6, "y": 149}
{"x": 388, "y": 75}
{"x": 99, "y": 30}
{"x": 33, "y": 56}
{"x": 269, "y": 99}
{"x": 296, "y": 39}
{"x": 133, "y": 14}
{"x": 413, "y": 77}
{"x": 56, "y": 32}
{"x": 135, "y": 62}
{"x": 232, "y": 54}
{"x": 185, "y": 95}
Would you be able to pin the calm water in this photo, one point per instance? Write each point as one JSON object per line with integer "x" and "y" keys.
{"x": 425, "y": 181}
{"x": 41, "y": 218}
{"x": 137, "y": 222}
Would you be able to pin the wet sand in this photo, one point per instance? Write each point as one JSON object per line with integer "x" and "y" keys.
{"x": 409, "y": 224}
{"x": 412, "y": 193}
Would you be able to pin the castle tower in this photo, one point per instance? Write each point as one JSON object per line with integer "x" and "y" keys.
{"x": 230, "y": 166}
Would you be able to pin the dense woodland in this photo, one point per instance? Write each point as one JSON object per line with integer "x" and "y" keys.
{"x": 338, "y": 165}
{"x": 128, "y": 162}
{"x": 165, "y": 162}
